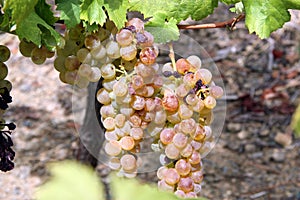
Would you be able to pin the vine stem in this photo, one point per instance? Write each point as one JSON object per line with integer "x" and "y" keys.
{"x": 229, "y": 23}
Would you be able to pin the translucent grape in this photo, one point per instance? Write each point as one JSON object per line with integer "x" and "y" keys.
{"x": 188, "y": 126}
{"x": 197, "y": 176}
{"x": 72, "y": 63}
{"x": 186, "y": 151}
{"x": 3, "y": 71}
{"x": 170, "y": 101}
{"x": 127, "y": 143}
{"x": 149, "y": 40}
{"x": 199, "y": 106}
{"x": 107, "y": 111}
{"x": 183, "y": 66}
{"x": 216, "y": 91}
{"x": 38, "y": 56}
{"x": 4, "y": 53}
{"x": 191, "y": 195}
{"x": 180, "y": 140}
{"x": 160, "y": 117}
{"x": 59, "y": 64}
{"x": 82, "y": 82}
{"x": 210, "y": 102}
{"x": 99, "y": 52}
{"x": 188, "y": 80}
{"x": 186, "y": 184}
{"x": 148, "y": 56}
{"x": 174, "y": 118}
{"x": 83, "y": 55}
{"x": 172, "y": 177}
{"x": 128, "y": 162}
{"x": 120, "y": 120}
{"x": 108, "y": 71}
{"x": 136, "y": 133}
{"x": 111, "y": 135}
{"x": 127, "y": 111}
{"x": 85, "y": 70}
{"x": 185, "y": 112}
{"x": 183, "y": 167}
{"x": 137, "y": 23}
{"x": 113, "y": 49}
{"x": 191, "y": 99}
{"x": 172, "y": 151}
{"x": 195, "y": 158}
{"x": 180, "y": 193}
{"x": 70, "y": 77}
{"x": 182, "y": 90}
{"x": 135, "y": 121}
{"x": 203, "y": 74}
{"x": 161, "y": 172}
{"x": 95, "y": 75}
{"x": 108, "y": 84}
{"x": 128, "y": 52}
{"x": 109, "y": 123}
{"x": 124, "y": 37}
{"x": 92, "y": 42}
{"x": 149, "y": 104}
{"x": 208, "y": 132}
{"x": 162, "y": 185}
{"x": 144, "y": 70}
{"x": 26, "y": 48}
{"x": 114, "y": 163}
{"x": 113, "y": 148}
{"x": 138, "y": 102}
{"x": 195, "y": 61}
{"x": 166, "y": 136}
{"x": 120, "y": 88}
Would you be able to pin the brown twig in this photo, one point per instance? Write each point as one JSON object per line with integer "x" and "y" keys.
{"x": 226, "y": 24}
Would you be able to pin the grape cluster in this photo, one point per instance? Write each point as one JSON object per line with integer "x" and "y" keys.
{"x": 6, "y": 153}
{"x": 37, "y": 54}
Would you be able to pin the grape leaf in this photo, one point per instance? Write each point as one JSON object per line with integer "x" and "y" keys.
{"x": 131, "y": 189}
{"x": 196, "y": 9}
{"x": 43, "y": 10}
{"x": 29, "y": 29}
{"x": 69, "y": 11}
{"x": 230, "y": 1}
{"x": 296, "y": 121}
{"x": 91, "y": 11}
{"x": 264, "y": 17}
{"x": 20, "y": 8}
{"x": 162, "y": 31}
{"x": 117, "y": 10}
{"x": 71, "y": 181}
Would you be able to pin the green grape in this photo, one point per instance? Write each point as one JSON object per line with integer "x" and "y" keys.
{"x": 59, "y": 63}
{"x": 3, "y": 71}
{"x": 26, "y": 48}
{"x": 4, "y": 53}
{"x": 5, "y": 84}
{"x": 72, "y": 63}
{"x": 38, "y": 55}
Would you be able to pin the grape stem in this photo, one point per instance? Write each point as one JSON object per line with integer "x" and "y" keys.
{"x": 172, "y": 56}
{"x": 226, "y": 24}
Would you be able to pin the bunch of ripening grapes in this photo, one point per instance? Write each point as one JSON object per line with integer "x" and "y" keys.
{"x": 171, "y": 104}
{"x": 6, "y": 153}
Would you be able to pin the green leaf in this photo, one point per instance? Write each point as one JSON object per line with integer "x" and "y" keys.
{"x": 117, "y": 10}
{"x": 29, "y": 29}
{"x": 196, "y": 9}
{"x": 69, "y": 11}
{"x": 44, "y": 11}
{"x": 230, "y": 1}
{"x": 92, "y": 12}
{"x": 296, "y": 121}
{"x": 292, "y": 4}
{"x": 263, "y": 17}
{"x": 163, "y": 31}
{"x": 20, "y": 8}
{"x": 71, "y": 181}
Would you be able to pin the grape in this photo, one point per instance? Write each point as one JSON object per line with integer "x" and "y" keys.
{"x": 191, "y": 99}
{"x": 82, "y": 82}
{"x": 3, "y": 71}
{"x": 127, "y": 143}
{"x": 135, "y": 121}
{"x": 186, "y": 151}
{"x": 172, "y": 151}
{"x": 70, "y": 77}
{"x": 38, "y": 55}
{"x": 161, "y": 172}
{"x": 95, "y": 75}
{"x": 50, "y": 54}
{"x": 149, "y": 40}
{"x": 191, "y": 195}
{"x": 188, "y": 80}
{"x": 108, "y": 71}
{"x": 216, "y": 91}
{"x": 26, "y": 48}
{"x": 137, "y": 23}
{"x": 183, "y": 66}
{"x": 208, "y": 132}
{"x": 83, "y": 55}
{"x": 210, "y": 102}
{"x": 166, "y": 136}
{"x": 136, "y": 133}
{"x": 113, "y": 148}
{"x": 59, "y": 64}
{"x": 120, "y": 88}
{"x": 170, "y": 101}
{"x": 144, "y": 71}
{"x": 5, "y": 84}
{"x": 85, "y": 70}
{"x": 127, "y": 111}
{"x": 162, "y": 185}
{"x": 114, "y": 163}
{"x": 183, "y": 167}
{"x": 149, "y": 104}
{"x": 195, "y": 158}
{"x": 99, "y": 52}
{"x": 172, "y": 177}
{"x": 124, "y": 37}
{"x": 91, "y": 42}
{"x": 204, "y": 75}
{"x": 108, "y": 84}
{"x": 111, "y": 135}
{"x": 185, "y": 112}
{"x": 138, "y": 103}
{"x": 174, "y": 118}
{"x": 196, "y": 145}
{"x": 148, "y": 56}
{"x": 199, "y": 106}
{"x": 109, "y": 123}
{"x": 128, "y": 162}
{"x": 195, "y": 61}
{"x": 149, "y": 117}
{"x": 137, "y": 82}
{"x": 62, "y": 77}
{"x": 107, "y": 111}
{"x": 72, "y": 63}
{"x": 182, "y": 90}
{"x": 4, "y": 53}
{"x": 180, "y": 193}
{"x": 120, "y": 120}
{"x": 197, "y": 176}
{"x": 186, "y": 184}
{"x": 180, "y": 140}
{"x": 112, "y": 49}
{"x": 188, "y": 126}
{"x": 160, "y": 117}
{"x": 128, "y": 52}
